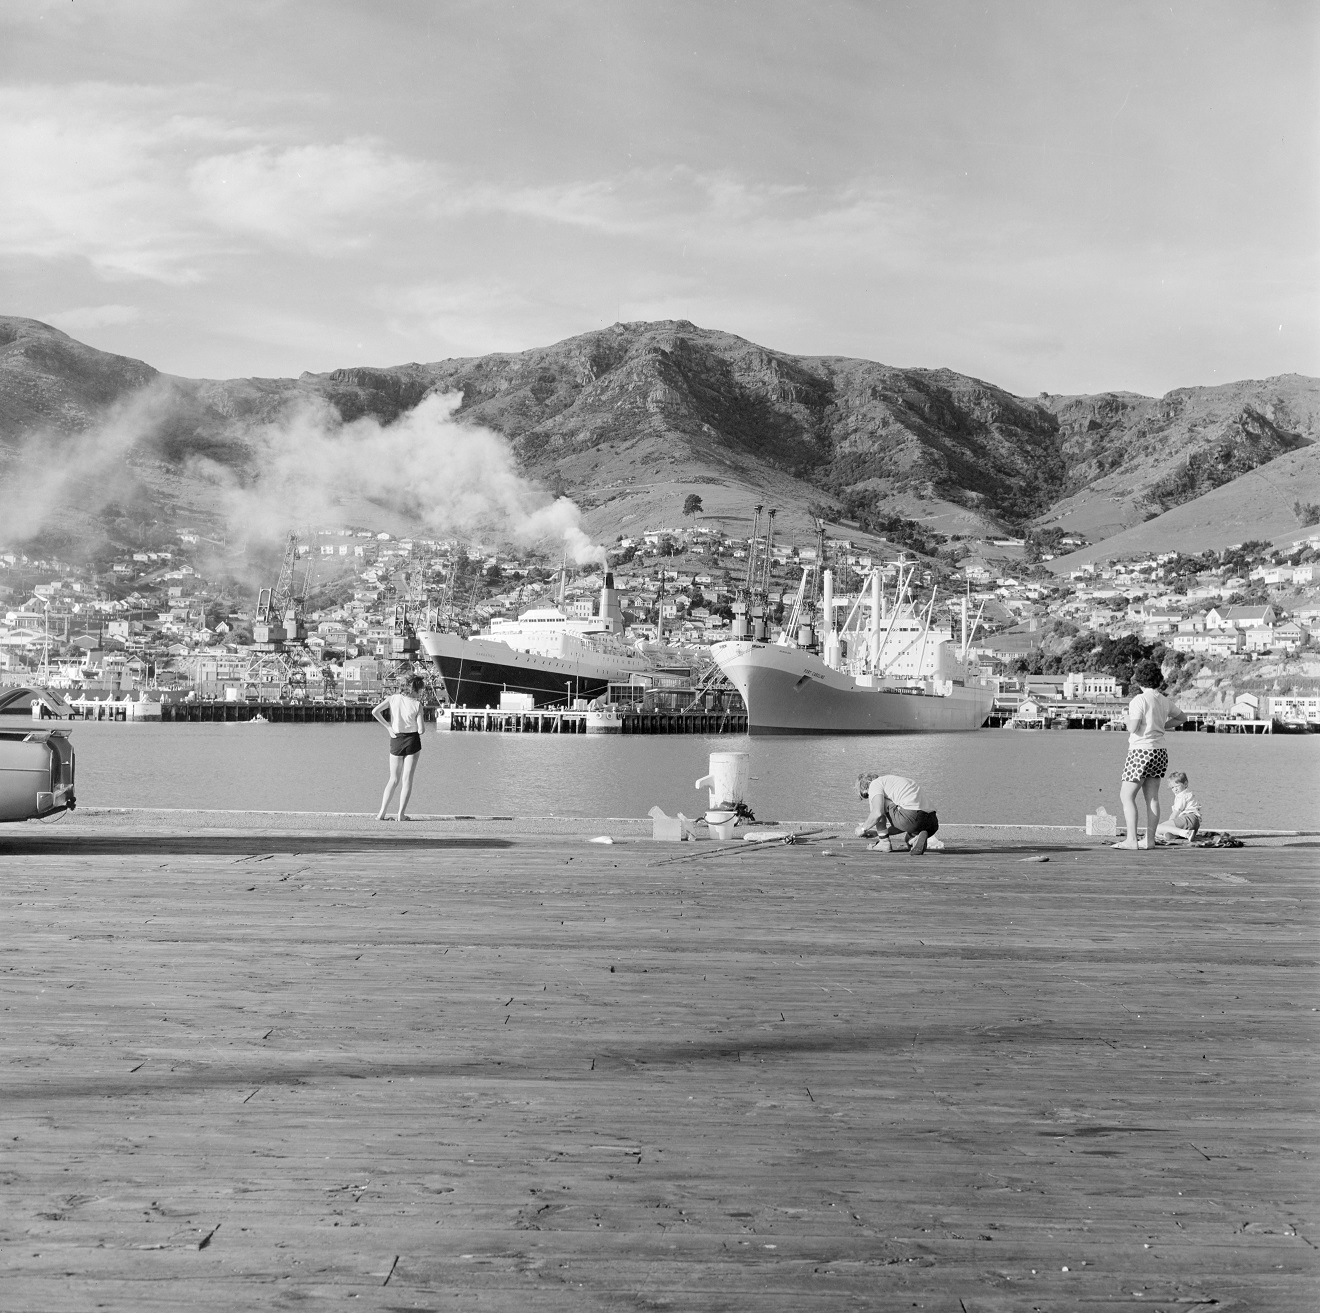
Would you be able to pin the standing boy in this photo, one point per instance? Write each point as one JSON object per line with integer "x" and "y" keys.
{"x": 404, "y": 716}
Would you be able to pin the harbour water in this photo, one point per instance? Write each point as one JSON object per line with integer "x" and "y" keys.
{"x": 992, "y": 776}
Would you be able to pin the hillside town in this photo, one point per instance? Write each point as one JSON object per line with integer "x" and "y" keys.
{"x": 175, "y": 621}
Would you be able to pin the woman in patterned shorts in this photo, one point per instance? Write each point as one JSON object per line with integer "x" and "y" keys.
{"x": 1147, "y": 760}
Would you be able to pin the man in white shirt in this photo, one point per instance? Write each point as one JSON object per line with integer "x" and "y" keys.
{"x": 901, "y": 813}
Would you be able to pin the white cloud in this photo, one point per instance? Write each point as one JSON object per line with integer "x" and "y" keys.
{"x": 87, "y": 318}
{"x": 721, "y": 214}
{"x": 314, "y": 197}
{"x": 140, "y": 184}
{"x": 470, "y": 316}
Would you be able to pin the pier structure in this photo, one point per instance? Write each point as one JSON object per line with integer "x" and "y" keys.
{"x": 1083, "y": 715}
{"x": 493, "y": 720}
{"x": 277, "y": 713}
{"x": 251, "y": 1062}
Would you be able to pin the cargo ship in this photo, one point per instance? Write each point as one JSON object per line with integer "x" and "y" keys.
{"x": 887, "y": 670}
{"x": 554, "y": 658}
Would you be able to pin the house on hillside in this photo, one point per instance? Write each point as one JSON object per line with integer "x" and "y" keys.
{"x": 1210, "y": 642}
{"x": 1241, "y": 617}
{"x": 1089, "y": 684}
{"x": 1285, "y": 637}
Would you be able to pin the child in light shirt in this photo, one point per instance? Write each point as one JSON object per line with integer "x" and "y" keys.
{"x": 1185, "y": 816}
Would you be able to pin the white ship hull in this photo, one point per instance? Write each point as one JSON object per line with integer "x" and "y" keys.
{"x": 790, "y": 691}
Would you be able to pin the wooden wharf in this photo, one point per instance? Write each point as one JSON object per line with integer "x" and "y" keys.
{"x": 278, "y": 713}
{"x": 1078, "y": 715}
{"x": 490, "y": 720}
{"x": 465, "y": 1065}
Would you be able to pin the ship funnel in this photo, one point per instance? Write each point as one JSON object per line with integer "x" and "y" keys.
{"x": 611, "y": 613}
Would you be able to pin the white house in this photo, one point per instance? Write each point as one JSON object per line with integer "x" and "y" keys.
{"x": 1089, "y": 684}
{"x": 1211, "y": 642}
{"x": 1277, "y": 574}
{"x": 1241, "y": 617}
{"x": 1296, "y": 707}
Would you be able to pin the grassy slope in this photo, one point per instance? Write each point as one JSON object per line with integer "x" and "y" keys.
{"x": 1258, "y": 504}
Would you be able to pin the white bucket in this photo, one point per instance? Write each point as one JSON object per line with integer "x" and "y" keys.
{"x": 727, "y": 780}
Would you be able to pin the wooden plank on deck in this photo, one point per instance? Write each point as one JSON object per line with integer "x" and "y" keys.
{"x": 552, "y": 1075}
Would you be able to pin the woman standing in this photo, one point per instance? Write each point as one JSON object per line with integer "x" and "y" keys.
{"x": 1147, "y": 760}
{"x": 405, "y": 718}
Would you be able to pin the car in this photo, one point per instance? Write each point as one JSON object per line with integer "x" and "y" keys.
{"x": 36, "y": 774}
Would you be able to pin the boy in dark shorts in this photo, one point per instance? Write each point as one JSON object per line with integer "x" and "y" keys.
{"x": 900, "y": 813}
{"x": 404, "y": 716}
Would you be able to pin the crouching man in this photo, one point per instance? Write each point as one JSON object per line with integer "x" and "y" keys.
{"x": 900, "y": 814}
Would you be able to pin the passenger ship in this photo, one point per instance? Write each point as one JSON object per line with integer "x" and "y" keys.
{"x": 551, "y": 656}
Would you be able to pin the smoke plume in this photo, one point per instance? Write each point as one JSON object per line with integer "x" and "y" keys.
{"x": 305, "y": 468}
{"x": 425, "y": 467}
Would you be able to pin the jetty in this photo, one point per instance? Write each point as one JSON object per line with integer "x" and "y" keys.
{"x": 556, "y": 720}
{"x": 269, "y": 1060}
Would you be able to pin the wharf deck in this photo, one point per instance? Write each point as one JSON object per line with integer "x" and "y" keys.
{"x": 520, "y": 1071}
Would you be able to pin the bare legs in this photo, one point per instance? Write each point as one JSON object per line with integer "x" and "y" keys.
{"x": 1129, "y": 792}
{"x": 1151, "y": 788}
{"x": 410, "y": 765}
{"x": 401, "y": 778}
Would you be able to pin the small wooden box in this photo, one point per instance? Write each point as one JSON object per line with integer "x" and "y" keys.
{"x": 666, "y": 827}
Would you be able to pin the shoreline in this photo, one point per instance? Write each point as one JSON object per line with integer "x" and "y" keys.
{"x": 91, "y": 820}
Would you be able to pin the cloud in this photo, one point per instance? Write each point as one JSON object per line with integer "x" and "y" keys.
{"x": 313, "y": 197}
{"x": 718, "y": 213}
{"x": 88, "y": 318}
{"x": 148, "y": 183}
{"x": 471, "y": 316}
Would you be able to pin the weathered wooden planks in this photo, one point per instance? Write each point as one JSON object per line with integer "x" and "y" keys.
{"x": 806, "y": 1082}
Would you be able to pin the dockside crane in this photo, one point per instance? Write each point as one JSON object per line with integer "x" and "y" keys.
{"x": 279, "y": 632}
{"x": 406, "y": 655}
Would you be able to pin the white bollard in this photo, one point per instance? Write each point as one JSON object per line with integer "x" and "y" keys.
{"x": 727, "y": 780}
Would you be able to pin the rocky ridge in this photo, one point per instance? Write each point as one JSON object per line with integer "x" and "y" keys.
{"x": 669, "y": 405}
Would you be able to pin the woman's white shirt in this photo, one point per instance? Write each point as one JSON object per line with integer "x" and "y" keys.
{"x": 1151, "y": 710}
{"x": 405, "y": 715}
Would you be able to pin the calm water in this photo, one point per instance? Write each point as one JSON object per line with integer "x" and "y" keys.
{"x": 1050, "y": 778}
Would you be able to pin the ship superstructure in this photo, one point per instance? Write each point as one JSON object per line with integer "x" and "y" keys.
{"x": 887, "y": 669}
{"x": 551, "y": 657}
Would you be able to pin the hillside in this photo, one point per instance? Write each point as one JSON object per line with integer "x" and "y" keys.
{"x": 631, "y": 419}
{"x": 1255, "y": 505}
{"x": 1130, "y": 457}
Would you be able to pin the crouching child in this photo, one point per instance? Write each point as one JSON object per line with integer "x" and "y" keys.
{"x": 900, "y": 815}
{"x": 1185, "y": 814}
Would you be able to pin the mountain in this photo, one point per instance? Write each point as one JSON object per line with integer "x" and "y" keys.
{"x": 631, "y": 419}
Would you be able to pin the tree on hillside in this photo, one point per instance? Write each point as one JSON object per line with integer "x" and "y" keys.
{"x": 692, "y": 506}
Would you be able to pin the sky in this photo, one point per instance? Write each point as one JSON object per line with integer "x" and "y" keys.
{"x": 1053, "y": 196}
